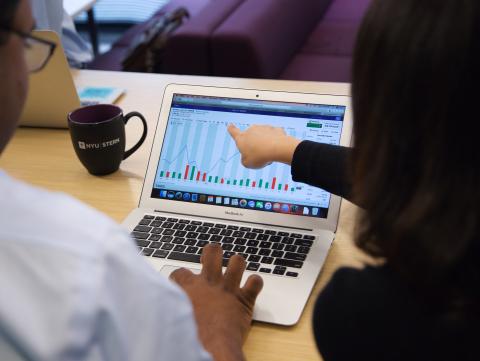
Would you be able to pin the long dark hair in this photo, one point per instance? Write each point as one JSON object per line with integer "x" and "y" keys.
{"x": 416, "y": 161}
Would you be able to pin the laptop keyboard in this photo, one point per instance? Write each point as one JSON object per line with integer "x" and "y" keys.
{"x": 265, "y": 250}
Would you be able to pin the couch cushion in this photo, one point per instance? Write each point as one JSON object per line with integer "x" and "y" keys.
{"x": 332, "y": 38}
{"x": 261, "y": 36}
{"x": 347, "y": 10}
{"x": 319, "y": 68}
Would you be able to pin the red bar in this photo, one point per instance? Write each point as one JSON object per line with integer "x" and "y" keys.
{"x": 286, "y": 187}
{"x": 204, "y": 177}
{"x": 273, "y": 182}
{"x": 168, "y": 174}
{"x": 253, "y": 184}
{"x": 221, "y": 182}
{"x": 186, "y": 172}
{"x": 198, "y": 176}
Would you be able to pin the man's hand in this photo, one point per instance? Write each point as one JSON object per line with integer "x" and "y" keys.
{"x": 223, "y": 310}
{"x": 261, "y": 145}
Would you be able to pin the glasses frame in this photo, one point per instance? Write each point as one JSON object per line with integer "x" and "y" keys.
{"x": 52, "y": 46}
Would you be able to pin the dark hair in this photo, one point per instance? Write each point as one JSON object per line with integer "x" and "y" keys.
{"x": 416, "y": 163}
{"x": 7, "y": 13}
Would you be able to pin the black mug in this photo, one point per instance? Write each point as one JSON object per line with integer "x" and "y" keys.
{"x": 98, "y": 136}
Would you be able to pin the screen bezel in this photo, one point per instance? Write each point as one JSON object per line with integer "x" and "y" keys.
{"x": 241, "y": 214}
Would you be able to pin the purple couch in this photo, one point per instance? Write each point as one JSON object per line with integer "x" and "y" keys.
{"x": 286, "y": 39}
{"x": 289, "y": 39}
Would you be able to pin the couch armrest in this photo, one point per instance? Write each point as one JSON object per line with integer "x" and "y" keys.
{"x": 188, "y": 49}
{"x": 260, "y": 38}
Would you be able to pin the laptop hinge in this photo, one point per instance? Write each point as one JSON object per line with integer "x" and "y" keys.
{"x": 236, "y": 221}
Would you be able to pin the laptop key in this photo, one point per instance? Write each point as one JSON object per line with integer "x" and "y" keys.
{"x": 147, "y": 251}
{"x": 187, "y": 257}
{"x": 178, "y": 226}
{"x": 203, "y": 237}
{"x": 167, "y": 225}
{"x": 208, "y": 224}
{"x": 215, "y": 238}
{"x": 144, "y": 222}
{"x": 295, "y": 256}
{"x": 190, "y": 228}
{"x": 160, "y": 253}
{"x": 288, "y": 263}
{"x": 142, "y": 243}
{"x": 265, "y": 270}
{"x": 254, "y": 258}
{"x": 214, "y": 230}
{"x": 279, "y": 270}
{"x": 233, "y": 227}
{"x": 202, "y": 229}
{"x": 154, "y": 237}
{"x": 239, "y": 248}
{"x": 257, "y": 230}
{"x": 167, "y": 239}
{"x": 174, "y": 220}
{"x": 267, "y": 260}
{"x": 228, "y": 254}
{"x": 263, "y": 237}
{"x": 155, "y": 245}
{"x": 180, "y": 248}
{"x": 168, "y": 232}
{"x": 180, "y": 233}
{"x": 190, "y": 242}
{"x": 245, "y": 229}
{"x": 250, "y": 235}
{"x": 148, "y": 217}
{"x": 192, "y": 235}
{"x": 192, "y": 249}
{"x": 167, "y": 246}
{"x": 270, "y": 232}
{"x": 295, "y": 235}
{"x": 226, "y": 232}
{"x": 140, "y": 235}
{"x": 238, "y": 234}
{"x": 277, "y": 246}
{"x": 196, "y": 223}
{"x": 309, "y": 237}
{"x": 292, "y": 274}
{"x": 228, "y": 239}
{"x": 156, "y": 223}
{"x": 243, "y": 255}
{"x": 264, "y": 252}
{"x": 252, "y": 250}
{"x": 275, "y": 239}
{"x": 184, "y": 221}
{"x": 303, "y": 250}
{"x": 227, "y": 247}
{"x": 201, "y": 244}
{"x": 178, "y": 240}
{"x": 252, "y": 266}
{"x": 160, "y": 218}
{"x": 287, "y": 240}
{"x": 290, "y": 248}
{"x": 240, "y": 241}
{"x": 265, "y": 244}
{"x": 218, "y": 225}
{"x": 252, "y": 243}
{"x": 277, "y": 254}
{"x": 303, "y": 242}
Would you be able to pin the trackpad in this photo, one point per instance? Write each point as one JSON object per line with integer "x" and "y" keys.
{"x": 166, "y": 270}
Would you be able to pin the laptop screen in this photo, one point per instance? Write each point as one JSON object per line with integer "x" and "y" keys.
{"x": 200, "y": 163}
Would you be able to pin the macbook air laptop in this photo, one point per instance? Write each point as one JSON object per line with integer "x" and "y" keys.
{"x": 52, "y": 94}
{"x": 196, "y": 191}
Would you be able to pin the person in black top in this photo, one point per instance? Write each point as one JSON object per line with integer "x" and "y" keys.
{"x": 414, "y": 170}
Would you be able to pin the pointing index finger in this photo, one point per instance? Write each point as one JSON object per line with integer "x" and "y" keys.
{"x": 234, "y": 131}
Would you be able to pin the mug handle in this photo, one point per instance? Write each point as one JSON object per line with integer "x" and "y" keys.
{"x": 132, "y": 150}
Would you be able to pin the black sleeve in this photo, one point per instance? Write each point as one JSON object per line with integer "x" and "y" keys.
{"x": 322, "y": 165}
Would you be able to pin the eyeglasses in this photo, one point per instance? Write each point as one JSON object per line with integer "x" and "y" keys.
{"x": 37, "y": 51}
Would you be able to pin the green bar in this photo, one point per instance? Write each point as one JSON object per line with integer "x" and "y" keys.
{"x": 279, "y": 187}
{"x": 266, "y": 185}
{"x": 216, "y": 179}
{"x": 179, "y": 176}
{"x": 241, "y": 182}
{"x": 173, "y": 174}
{"x": 248, "y": 182}
{"x": 260, "y": 183}
{"x": 210, "y": 179}
{"x": 192, "y": 174}
{"x": 161, "y": 173}
{"x": 314, "y": 125}
{"x": 228, "y": 181}
{"x": 234, "y": 182}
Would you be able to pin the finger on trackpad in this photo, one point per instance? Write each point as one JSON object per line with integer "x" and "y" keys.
{"x": 166, "y": 270}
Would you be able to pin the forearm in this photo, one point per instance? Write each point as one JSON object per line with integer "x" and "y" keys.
{"x": 322, "y": 165}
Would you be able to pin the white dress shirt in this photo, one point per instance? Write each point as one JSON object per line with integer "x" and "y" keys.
{"x": 73, "y": 287}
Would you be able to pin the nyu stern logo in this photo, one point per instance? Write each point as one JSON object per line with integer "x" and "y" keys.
{"x": 106, "y": 144}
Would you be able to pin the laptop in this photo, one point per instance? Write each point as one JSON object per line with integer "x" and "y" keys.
{"x": 52, "y": 93}
{"x": 196, "y": 191}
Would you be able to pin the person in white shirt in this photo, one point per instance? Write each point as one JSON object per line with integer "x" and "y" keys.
{"x": 72, "y": 285}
